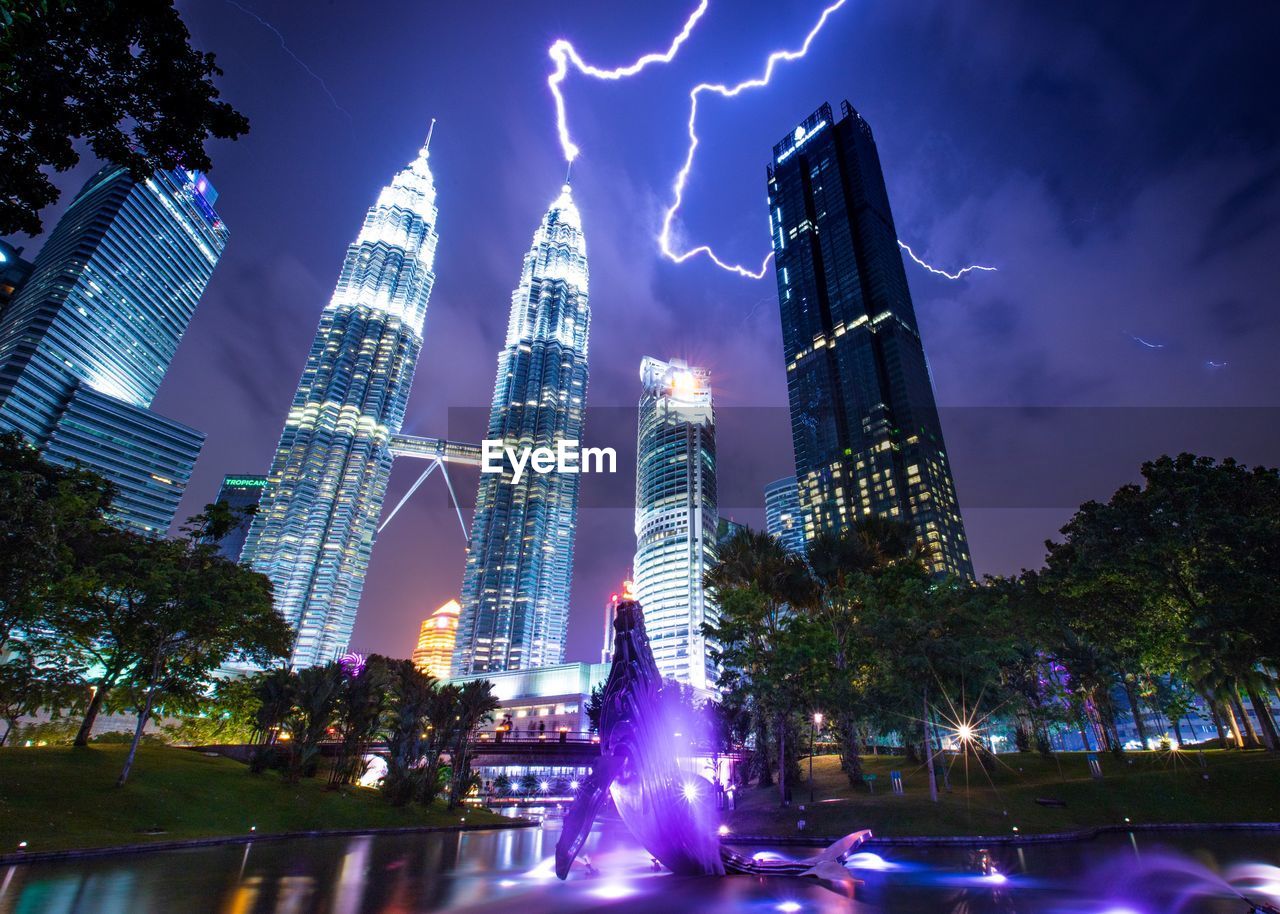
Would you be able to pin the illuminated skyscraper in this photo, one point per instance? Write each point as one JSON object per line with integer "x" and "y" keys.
{"x": 782, "y": 513}
{"x": 315, "y": 526}
{"x": 863, "y": 418}
{"x": 676, "y": 516}
{"x": 515, "y": 590}
{"x": 434, "y": 653}
{"x": 87, "y": 340}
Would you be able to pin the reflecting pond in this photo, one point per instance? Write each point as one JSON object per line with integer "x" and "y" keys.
{"x": 512, "y": 870}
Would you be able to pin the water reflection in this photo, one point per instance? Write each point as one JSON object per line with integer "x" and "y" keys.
{"x": 513, "y": 870}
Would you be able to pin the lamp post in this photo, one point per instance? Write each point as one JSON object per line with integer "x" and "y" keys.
{"x": 813, "y": 747}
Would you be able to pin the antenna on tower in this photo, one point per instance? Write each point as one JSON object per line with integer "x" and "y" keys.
{"x": 568, "y": 171}
{"x": 430, "y": 130}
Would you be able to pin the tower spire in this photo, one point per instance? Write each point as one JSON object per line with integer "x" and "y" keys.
{"x": 426, "y": 147}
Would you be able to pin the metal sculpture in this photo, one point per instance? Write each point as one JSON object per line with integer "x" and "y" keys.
{"x": 671, "y": 813}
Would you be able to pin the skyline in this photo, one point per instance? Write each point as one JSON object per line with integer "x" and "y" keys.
{"x": 1042, "y": 369}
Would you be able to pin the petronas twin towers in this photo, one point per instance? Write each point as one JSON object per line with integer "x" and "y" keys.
{"x": 314, "y": 530}
{"x": 515, "y": 595}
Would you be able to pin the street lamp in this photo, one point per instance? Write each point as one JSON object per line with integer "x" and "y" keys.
{"x": 813, "y": 747}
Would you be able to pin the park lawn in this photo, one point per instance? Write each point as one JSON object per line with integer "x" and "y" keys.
{"x": 1146, "y": 787}
{"x": 60, "y": 798}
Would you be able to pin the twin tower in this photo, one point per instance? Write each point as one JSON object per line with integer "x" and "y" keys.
{"x": 865, "y": 428}
{"x": 314, "y": 530}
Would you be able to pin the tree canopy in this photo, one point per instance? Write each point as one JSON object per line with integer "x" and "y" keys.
{"x": 119, "y": 75}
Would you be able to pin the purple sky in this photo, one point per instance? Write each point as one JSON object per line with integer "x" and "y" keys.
{"x": 1120, "y": 167}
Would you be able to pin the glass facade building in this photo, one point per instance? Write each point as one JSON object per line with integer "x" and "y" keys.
{"x": 782, "y": 513}
{"x": 864, "y": 422}
{"x": 314, "y": 529}
{"x": 515, "y": 590}
{"x": 86, "y": 342}
{"x": 727, "y": 529}
{"x": 676, "y": 516}
{"x": 241, "y": 492}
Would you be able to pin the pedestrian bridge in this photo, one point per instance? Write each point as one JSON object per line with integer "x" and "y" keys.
{"x": 561, "y": 749}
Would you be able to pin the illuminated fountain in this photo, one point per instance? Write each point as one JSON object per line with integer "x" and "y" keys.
{"x": 671, "y": 813}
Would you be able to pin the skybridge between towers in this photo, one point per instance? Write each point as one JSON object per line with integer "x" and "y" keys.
{"x": 437, "y": 452}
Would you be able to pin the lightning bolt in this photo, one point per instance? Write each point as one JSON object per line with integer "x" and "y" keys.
{"x": 940, "y": 272}
{"x": 1141, "y": 341}
{"x": 682, "y": 176}
{"x": 288, "y": 50}
{"x": 564, "y": 54}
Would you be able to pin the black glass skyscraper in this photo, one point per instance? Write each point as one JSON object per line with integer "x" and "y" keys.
{"x": 864, "y": 422}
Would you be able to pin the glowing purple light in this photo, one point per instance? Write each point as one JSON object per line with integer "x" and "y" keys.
{"x": 352, "y": 664}
{"x": 612, "y": 891}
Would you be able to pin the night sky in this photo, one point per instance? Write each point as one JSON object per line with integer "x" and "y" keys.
{"x": 1120, "y": 166}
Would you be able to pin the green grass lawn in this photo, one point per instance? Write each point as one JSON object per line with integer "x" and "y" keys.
{"x": 1155, "y": 787}
{"x": 61, "y": 798}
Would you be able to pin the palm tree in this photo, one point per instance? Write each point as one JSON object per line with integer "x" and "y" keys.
{"x": 476, "y": 704}
{"x": 1091, "y": 675}
{"x": 274, "y": 690}
{"x": 315, "y": 701}
{"x": 412, "y": 694}
{"x": 361, "y": 704}
{"x": 1222, "y": 665}
{"x": 443, "y": 717}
